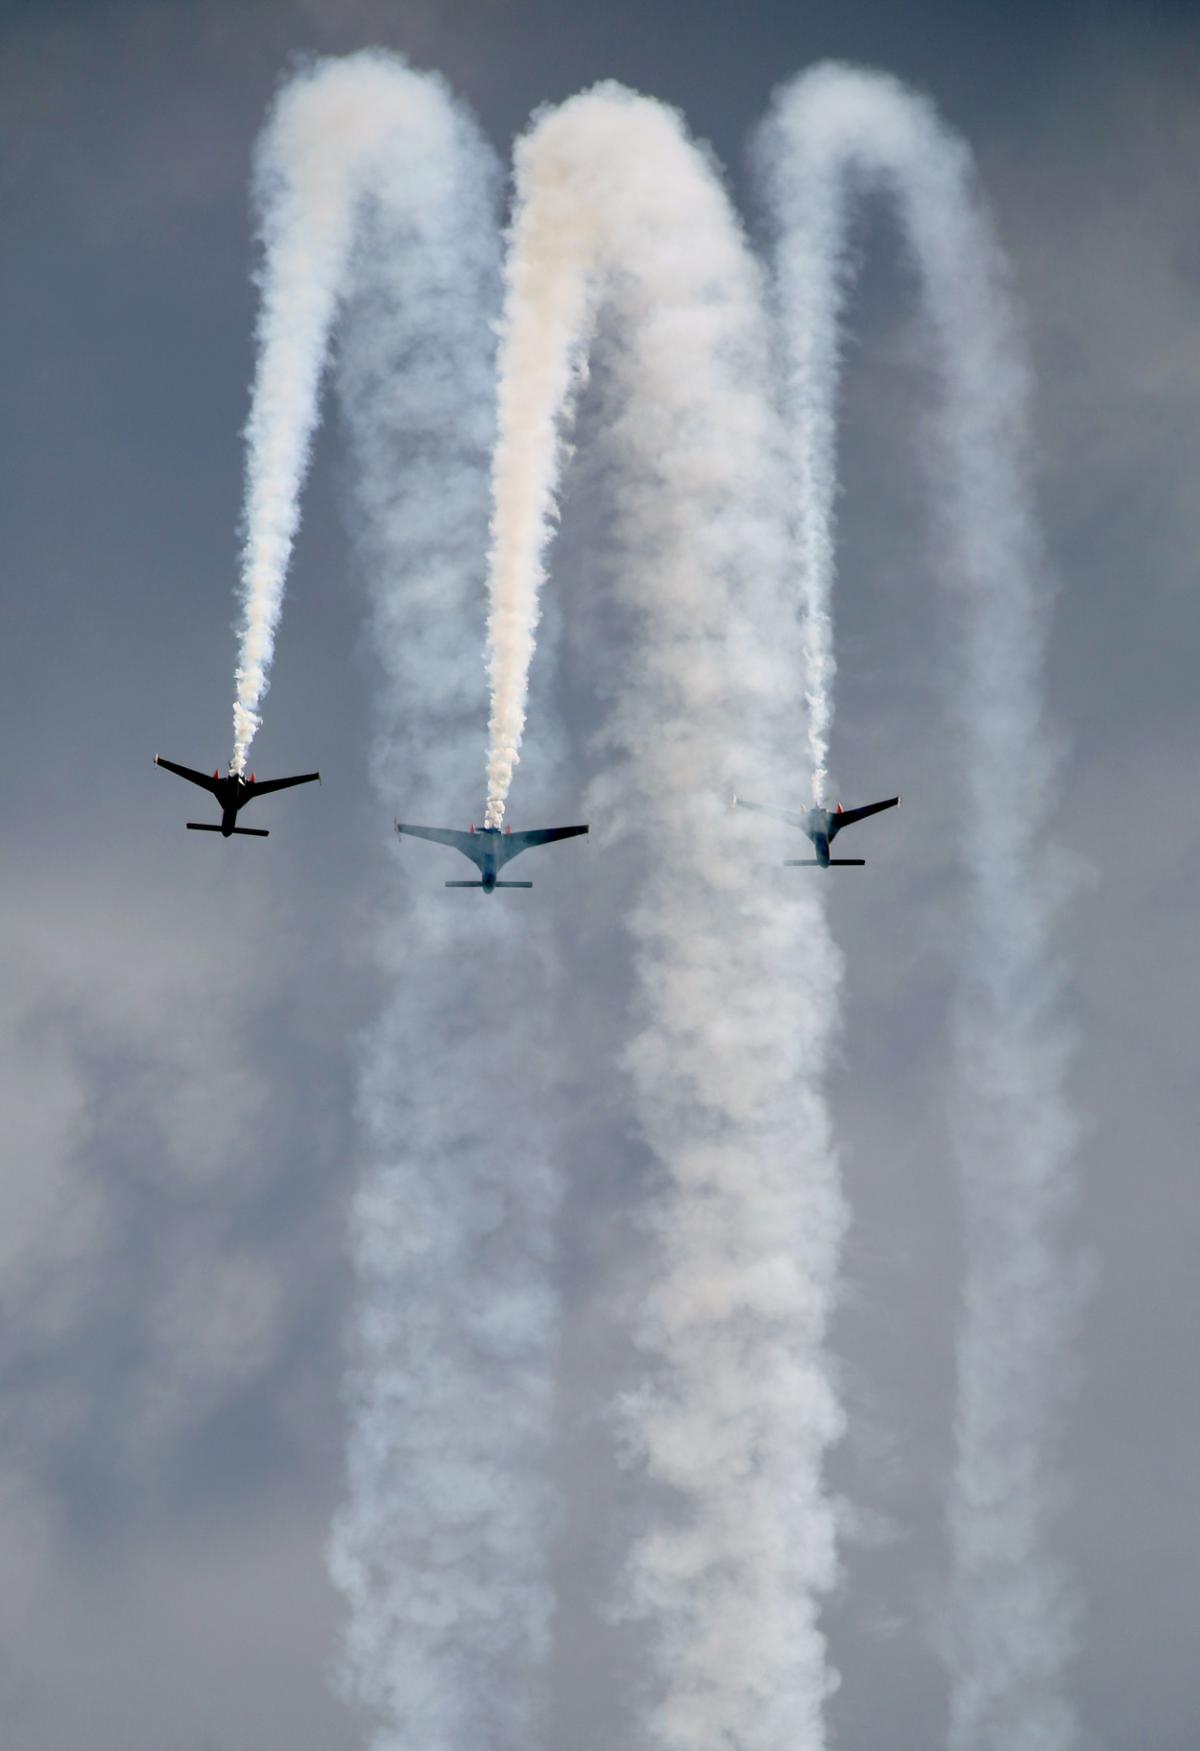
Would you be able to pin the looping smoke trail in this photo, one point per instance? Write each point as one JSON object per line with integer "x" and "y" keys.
{"x": 314, "y": 156}
{"x": 1011, "y": 1628}
{"x": 440, "y": 1546}
{"x": 736, "y": 993}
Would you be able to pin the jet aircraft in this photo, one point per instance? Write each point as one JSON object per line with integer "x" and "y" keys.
{"x": 822, "y": 827}
{"x": 489, "y": 848}
{"x": 233, "y": 792}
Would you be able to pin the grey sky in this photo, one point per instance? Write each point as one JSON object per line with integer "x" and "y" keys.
{"x": 179, "y": 1020}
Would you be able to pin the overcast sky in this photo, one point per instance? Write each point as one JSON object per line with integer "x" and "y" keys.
{"x": 178, "y": 1020}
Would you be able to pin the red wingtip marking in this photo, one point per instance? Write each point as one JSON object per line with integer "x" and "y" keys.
{"x": 839, "y": 809}
{"x": 216, "y": 772}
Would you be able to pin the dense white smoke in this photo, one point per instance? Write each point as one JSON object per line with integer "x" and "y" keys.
{"x": 736, "y": 980}
{"x": 319, "y": 149}
{"x": 378, "y": 192}
{"x": 554, "y": 246}
{"x": 834, "y": 132}
{"x": 441, "y": 1545}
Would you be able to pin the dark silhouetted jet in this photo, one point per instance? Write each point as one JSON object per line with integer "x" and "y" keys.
{"x": 233, "y": 792}
{"x": 822, "y": 827}
{"x": 489, "y": 848}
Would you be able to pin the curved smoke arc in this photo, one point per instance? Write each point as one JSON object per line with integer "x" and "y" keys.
{"x": 833, "y": 132}
{"x": 325, "y": 140}
{"x": 617, "y": 209}
{"x": 441, "y": 1544}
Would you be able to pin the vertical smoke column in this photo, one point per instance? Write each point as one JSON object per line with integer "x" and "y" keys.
{"x": 312, "y": 158}
{"x": 835, "y": 130}
{"x": 736, "y": 992}
{"x": 547, "y": 324}
{"x": 440, "y": 1546}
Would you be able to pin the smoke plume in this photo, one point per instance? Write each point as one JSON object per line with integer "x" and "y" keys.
{"x": 736, "y": 984}
{"x": 319, "y": 148}
{"x": 440, "y": 1547}
{"x": 554, "y": 245}
{"x": 834, "y": 132}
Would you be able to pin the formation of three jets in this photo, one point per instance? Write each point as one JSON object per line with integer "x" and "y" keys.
{"x": 490, "y": 848}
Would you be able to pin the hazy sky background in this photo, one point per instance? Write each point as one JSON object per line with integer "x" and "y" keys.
{"x": 179, "y": 1017}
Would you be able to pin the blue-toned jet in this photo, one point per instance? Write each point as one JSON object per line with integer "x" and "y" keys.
{"x": 233, "y": 792}
{"x": 822, "y": 827}
{"x": 489, "y": 848}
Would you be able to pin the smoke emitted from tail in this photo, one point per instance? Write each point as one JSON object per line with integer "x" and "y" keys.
{"x": 1011, "y": 1619}
{"x": 317, "y": 152}
{"x": 555, "y": 246}
{"x": 736, "y": 994}
{"x": 812, "y": 268}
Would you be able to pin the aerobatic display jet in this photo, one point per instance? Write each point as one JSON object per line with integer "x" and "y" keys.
{"x": 233, "y": 792}
{"x": 490, "y": 848}
{"x": 822, "y": 827}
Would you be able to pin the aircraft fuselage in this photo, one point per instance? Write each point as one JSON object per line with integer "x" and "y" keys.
{"x": 821, "y": 825}
{"x": 231, "y": 794}
{"x": 489, "y": 866}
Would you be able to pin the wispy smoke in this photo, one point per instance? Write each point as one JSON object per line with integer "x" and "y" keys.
{"x": 736, "y": 983}
{"x": 835, "y": 131}
{"x": 441, "y": 1546}
{"x": 318, "y": 150}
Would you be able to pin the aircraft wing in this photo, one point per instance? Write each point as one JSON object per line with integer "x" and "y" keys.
{"x": 849, "y": 816}
{"x": 468, "y": 843}
{"x": 793, "y": 818}
{"x": 512, "y": 844}
{"x": 201, "y": 778}
{"x": 261, "y": 786}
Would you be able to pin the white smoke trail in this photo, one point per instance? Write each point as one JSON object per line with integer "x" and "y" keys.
{"x": 547, "y": 323}
{"x": 1010, "y": 1632}
{"x": 736, "y": 982}
{"x": 313, "y": 158}
{"x": 440, "y": 1546}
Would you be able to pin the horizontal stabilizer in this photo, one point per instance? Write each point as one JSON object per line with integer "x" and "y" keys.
{"x": 208, "y": 827}
{"x": 494, "y": 884}
{"x": 812, "y": 863}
